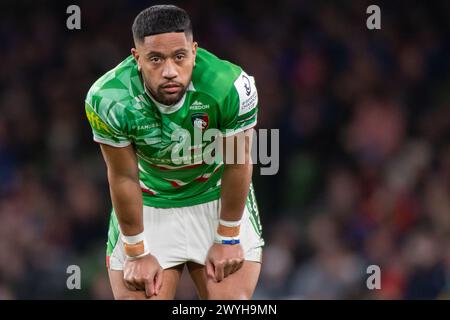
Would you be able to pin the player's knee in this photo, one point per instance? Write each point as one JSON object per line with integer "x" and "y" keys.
{"x": 125, "y": 296}
{"x": 228, "y": 295}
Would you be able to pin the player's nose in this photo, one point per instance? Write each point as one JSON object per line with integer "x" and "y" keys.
{"x": 169, "y": 70}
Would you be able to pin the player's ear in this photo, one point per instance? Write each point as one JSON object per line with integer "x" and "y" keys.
{"x": 135, "y": 54}
{"x": 194, "y": 50}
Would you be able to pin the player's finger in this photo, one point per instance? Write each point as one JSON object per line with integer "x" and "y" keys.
{"x": 129, "y": 286}
{"x": 228, "y": 268}
{"x": 159, "y": 280}
{"x": 234, "y": 266}
{"x": 127, "y": 280}
{"x": 139, "y": 284}
{"x": 239, "y": 265}
{"x": 210, "y": 270}
{"x": 219, "y": 268}
{"x": 149, "y": 287}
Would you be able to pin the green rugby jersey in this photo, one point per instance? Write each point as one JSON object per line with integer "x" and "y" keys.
{"x": 121, "y": 112}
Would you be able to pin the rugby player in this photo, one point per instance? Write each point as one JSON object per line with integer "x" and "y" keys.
{"x": 168, "y": 214}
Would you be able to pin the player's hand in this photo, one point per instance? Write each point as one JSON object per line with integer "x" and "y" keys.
{"x": 223, "y": 260}
{"x": 143, "y": 273}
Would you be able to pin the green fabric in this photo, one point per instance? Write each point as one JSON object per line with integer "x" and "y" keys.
{"x": 120, "y": 111}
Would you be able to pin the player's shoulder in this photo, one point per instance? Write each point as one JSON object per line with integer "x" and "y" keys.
{"x": 114, "y": 87}
{"x": 214, "y": 76}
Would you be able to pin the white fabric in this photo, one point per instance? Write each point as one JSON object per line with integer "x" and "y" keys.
{"x": 133, "y": 239}
{"x": 177, "y": 235}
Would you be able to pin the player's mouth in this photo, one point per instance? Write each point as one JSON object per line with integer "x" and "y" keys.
{"x": 171, "y": 88}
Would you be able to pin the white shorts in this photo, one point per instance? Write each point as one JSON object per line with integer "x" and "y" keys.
{"x": 178, "y": 235}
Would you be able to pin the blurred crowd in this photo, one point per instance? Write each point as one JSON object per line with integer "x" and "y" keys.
{"x": 364, "y": 120}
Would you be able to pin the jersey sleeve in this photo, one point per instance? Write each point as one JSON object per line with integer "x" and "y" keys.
{"x": 107, "y": 122}
{"x": 240, "y": 107}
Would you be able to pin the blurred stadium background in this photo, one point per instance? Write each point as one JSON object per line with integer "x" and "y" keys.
{"x": 364, "y": 119}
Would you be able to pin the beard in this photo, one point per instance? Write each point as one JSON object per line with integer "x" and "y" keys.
{"x": 163, "y": 97}
{"x": 168, "y": 98}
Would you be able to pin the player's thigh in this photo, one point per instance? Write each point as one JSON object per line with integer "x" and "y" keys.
{"x": 237, "y": 286}
{"x": 171, "y": 276}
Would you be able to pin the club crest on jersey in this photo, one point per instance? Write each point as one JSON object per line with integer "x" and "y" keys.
{"x": 200, "y": 120}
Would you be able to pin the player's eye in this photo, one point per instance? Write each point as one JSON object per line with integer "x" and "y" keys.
{"x": 179, "y": 57}
{"x": 155, "y": 59}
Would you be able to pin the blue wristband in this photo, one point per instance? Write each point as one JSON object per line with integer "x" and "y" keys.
{"x": 232, "y": 241}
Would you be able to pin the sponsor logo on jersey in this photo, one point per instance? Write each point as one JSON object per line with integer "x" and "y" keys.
{"x": 197, "y": 105}
{"x": 247, "y": 85}
{"x": 200, "y": 120}
{"x": 97, "y": 123}
{"x": 148, "y": 126}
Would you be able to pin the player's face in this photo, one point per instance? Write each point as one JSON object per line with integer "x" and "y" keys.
{"x": 166, "y": 62}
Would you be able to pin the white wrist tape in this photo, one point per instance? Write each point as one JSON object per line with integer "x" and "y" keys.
{"x": 138, "y": 239}
{"x": 133, "y": 239}
{"x": 230, "y": 224}
{"x": 146, "y": 252}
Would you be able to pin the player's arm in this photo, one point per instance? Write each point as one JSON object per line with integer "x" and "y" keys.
{"x": 141, "y": 270}
{"x": 126, "y": 195}
{"x": 236, "y": 176}
{"x": 238, "y": 116}
{"x": 226, "y": 256}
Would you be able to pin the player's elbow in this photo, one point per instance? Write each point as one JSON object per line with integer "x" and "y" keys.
{"x": 116, "y": 177}
{"x": 243, "y": 168}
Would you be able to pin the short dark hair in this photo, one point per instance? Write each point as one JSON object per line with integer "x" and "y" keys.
{"x": 160, "y": 19}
